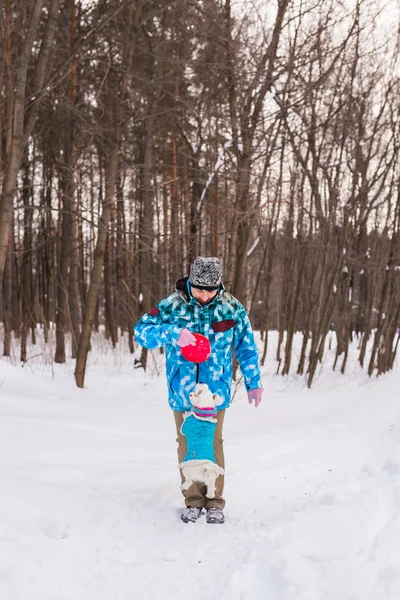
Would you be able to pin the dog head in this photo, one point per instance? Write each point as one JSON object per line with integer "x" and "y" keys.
{"x": 203, "y": 398}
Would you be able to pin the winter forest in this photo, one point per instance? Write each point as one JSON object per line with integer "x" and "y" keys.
{"x": 138, "y": 134}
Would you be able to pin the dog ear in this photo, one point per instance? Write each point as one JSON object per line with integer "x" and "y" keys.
{"x": 217, "y": 400}
{"x": 191, "y": 395}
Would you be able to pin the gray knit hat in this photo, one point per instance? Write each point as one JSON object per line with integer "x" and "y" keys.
{"x": 205, "y": 273}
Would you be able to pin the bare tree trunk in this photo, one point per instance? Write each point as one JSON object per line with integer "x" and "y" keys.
{"x": 26, "y": 296}
{"x": 249, "y": 120}
{"x": 22, "y": 130}
{"x": 74, "y": 293}
{"x": 62, "y": 314}
{"x": 7, "y": 305}
{"x": 98, "y": 262}
{"x": 115, "y": 110}
{"x": 111, "y": 326}
{"x": 294, "y": 309}
{"x": 146, "y": 239}
{"x": 49, "y": 256}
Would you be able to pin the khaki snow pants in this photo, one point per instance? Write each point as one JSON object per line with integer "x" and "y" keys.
{"x": 196, "y": 494}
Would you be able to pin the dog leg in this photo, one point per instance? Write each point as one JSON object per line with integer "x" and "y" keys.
{"x": 187, "y": 483}
{"x": 209, "y": 480}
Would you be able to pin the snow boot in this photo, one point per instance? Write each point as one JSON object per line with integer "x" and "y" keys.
{"x": 215, "y": 515}
{"x": 190, "y": 514}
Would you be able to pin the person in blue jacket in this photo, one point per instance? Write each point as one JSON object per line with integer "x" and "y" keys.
{"x": 200, "y": 304}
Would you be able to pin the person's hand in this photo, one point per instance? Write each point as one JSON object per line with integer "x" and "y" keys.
{"x": 256, "y": 394}
{"x": 186, "y": 338}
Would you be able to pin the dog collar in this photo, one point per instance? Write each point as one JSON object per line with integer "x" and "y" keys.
{"x": 204, "y": 412}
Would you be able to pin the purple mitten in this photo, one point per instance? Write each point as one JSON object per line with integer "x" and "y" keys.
{"x": 186, "y": 338}
{"x": 256, "y": 394}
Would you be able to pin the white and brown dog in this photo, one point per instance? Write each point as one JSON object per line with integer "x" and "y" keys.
{"x": 199, "y": 428}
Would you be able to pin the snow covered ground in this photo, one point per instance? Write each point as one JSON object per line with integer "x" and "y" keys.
{"x": 90, "y": 499}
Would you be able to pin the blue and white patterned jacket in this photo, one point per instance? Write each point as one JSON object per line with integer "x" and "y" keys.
{"x": 226, "y": 324}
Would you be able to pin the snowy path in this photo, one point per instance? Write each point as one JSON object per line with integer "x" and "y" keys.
{"x": 90, "y": 496}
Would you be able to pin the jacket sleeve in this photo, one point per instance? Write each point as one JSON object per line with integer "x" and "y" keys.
{"x": 246, "y": 350}
{"x": 153, "y": 330}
